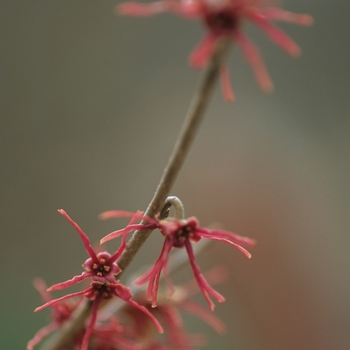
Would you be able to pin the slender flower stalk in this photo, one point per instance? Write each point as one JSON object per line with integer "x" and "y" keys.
{"x": 187, "y": 134}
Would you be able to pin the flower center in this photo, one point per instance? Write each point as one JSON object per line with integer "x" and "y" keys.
{"x": 104, "y": 289}
{"x": 181, "y": 235}
{"x": 101, "y": 268}
{"x": 222, "y": 22}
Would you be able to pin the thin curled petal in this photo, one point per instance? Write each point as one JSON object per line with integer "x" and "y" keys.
{"x": 187, "y": 9}
{"x": 148, "y": 223}
{"x": 214, "y": 276}
{"x": 144, "y": 310}
{"x": 124, "y": 231}
{"x": 153, "y": 275}
{"x": 242, "y": 240}
{"x": 226, "y": 84}
{"x": 252, "y": 55}
{"x": 202, "y": 53}
{"x": 76, "y": 279}
{"x": 120, "y": 250}
{"x": 277, "y": 14}
{"x": 203, "y": 285}
{"x": 41, "y": 334}
{"x": 54, "y": 301}
{"x": 90, "y": 327}
{"x": 113, "y": 214}
{"x": 143, "y": 10}
{"x": 205, "y": 315}
{"x": 237, "y": 246}
{"x": 176, "y": 335}
{"x": 82, "y": 234}
{"x": 41, "y": 287}
{"x": 275, "y": 34}
{"x": 122, "y": 247}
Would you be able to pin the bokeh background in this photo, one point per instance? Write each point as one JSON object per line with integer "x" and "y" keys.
{"x": 91, "y": 105}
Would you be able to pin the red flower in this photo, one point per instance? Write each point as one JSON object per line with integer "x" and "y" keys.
{"x": 60, "y": 312}
{"x": 168, "y": 311}
{"x": 111, "y": 335}
{"x": 178, "y": 233}
{"x": 97, "y": 292}
{"x": 100, "y": 266}
{"x": 224, "y": 19}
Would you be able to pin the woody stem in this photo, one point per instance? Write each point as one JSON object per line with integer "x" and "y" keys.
{"x": 188, "y": 131}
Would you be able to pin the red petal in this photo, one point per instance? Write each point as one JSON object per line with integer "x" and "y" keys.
{"x": 275, "y": 34}
{"x": 204, "y": 314}
{"x": 83, "y": 236}
{"x": 54, "y": 301}
{"x": 153, "y": 274}
{"x": 277, "y": 14}
{"x": 71, "y": 282}
{"x": 202, "y": 283}
{"x": 226, "y": 84}
{"x": 112, "y": 214}
{"x": 201, "y": 55}
{"x": 143, "y": 309}
{"x": 40, "y": 335}
{"x": 90, "y": 327}
{"x": 252, "y": 55}
{"x": 141, "y": 10}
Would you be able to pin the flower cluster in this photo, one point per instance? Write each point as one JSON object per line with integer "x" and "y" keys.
{"x": 169, "y": 311}
{"x": 101, "y": 268}
{"x": 178, "y": 233}
{"x": 224, "y": 19}
{"x": 60, "y": 313}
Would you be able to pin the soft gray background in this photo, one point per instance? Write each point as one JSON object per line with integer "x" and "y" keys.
{"x": 91, "y": 104}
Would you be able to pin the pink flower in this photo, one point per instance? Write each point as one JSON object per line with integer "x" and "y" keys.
{"x": 178, "y": 233}
{"x": 97, "y": 292}
{"x": 111, "y": 335}
{"x": 168, "y": 311}
{"x": 224, "y": 19}
{"x": 100, "y": 266}
{"x": 60, "y": 312}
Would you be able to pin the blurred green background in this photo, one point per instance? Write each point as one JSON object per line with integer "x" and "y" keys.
{"x": 91, "y": 104}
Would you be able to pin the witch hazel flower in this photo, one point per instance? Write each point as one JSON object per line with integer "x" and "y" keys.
{"x": 111, "y": 335}
{"x": 223, "y": 19}
{"x": 178, "y": 232}
{"x": 168, "y": 311}
{"x": 60, "y": 313}
{"x": 97, "y": 292}
{"x": 99, "y": 266}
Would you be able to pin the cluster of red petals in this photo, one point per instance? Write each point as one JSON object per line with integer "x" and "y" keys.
{"x": 60, "y": 313}
{"x": 177, "y": 233}
{"x": 168, "y": 311}
{"x": 224, "y": 19}
{"x": 101, "y": 268}
{"x": 97, "y": 292}
{"x": 111, "y": 335}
